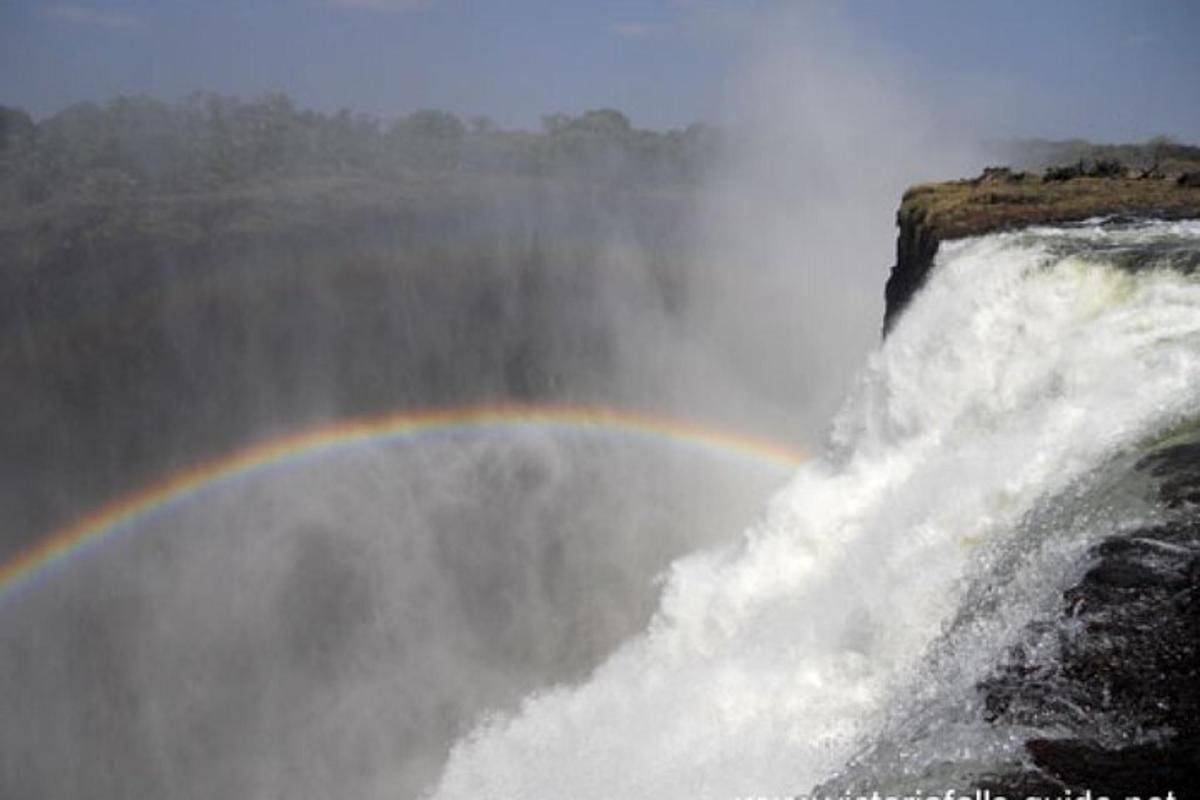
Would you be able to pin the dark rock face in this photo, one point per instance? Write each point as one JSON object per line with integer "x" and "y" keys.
{"x": 1126, "y": 679}
{"x": 916, "y": 247}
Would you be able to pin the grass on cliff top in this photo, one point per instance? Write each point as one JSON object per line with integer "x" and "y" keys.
{"x": 967, "y": 208}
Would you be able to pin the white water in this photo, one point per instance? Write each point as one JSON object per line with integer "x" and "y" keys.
{"x": 1024, "y": 365}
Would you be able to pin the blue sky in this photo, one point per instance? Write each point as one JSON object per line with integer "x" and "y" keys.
{"x": 1103, "y": 69}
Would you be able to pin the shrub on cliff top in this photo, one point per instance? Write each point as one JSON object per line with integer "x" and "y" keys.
{"x": 1064, "y": 173}
{"x": 1107, "y": 168}
{"x": 1099, "y": 168}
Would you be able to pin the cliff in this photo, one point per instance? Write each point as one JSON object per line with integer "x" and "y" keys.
{"x": 141, "y": 334}
{"x": 1002, "y": 200}
{"x": 1125, "y": 644}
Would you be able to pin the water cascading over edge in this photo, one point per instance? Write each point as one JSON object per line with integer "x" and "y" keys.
{"x": 966, "y": 476}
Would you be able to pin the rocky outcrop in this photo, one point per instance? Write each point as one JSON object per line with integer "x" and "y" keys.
{"x": 1003, "y": 200}
{"x": 916, "y": 246}
{"x": 1116, "y": 674}
{"x": 1127, "y": 645}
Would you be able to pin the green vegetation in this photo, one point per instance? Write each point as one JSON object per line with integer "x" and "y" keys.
{"x": 138, "y": 146}
{"x": 1001, "y": 199}
{"x": 1161, "y": 155}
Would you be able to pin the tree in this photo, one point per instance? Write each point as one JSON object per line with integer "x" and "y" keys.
{"x": 604, "y": 121}
{"x": 429, "y": 138}
{"x": 1159, "y": 147}
{"x": 16, "y": 129}
{"x": 431, "y": 124}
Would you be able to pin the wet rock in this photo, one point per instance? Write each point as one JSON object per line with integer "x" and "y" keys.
{"x": 1178, "y": 471}
{"x": 916, "y": 247}
{"x": 1147, "y": 770}
{"x": 1125, "y": 681}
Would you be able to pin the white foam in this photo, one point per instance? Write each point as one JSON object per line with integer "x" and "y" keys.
{"x": 1016, "y": 371}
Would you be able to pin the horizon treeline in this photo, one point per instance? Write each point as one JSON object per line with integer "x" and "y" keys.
{"x": 141, "y": 146}
{"x": 138, "y": 145}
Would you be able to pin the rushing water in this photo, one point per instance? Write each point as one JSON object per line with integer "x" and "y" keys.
{"x": 335, "y": 626}
{"x": 843, "y": 634}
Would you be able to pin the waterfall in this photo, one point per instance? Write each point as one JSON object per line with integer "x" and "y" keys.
{"x": 963, "y": 480}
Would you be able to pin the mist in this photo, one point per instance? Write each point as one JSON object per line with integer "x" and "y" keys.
{"x": 795, "y": 229}
{"x": 330, "y": 627}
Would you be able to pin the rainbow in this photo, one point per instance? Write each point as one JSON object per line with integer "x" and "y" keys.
{"x": 124, "y": 511}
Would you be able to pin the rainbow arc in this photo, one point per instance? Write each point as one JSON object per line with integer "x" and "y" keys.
{"x": 123, "y": 513}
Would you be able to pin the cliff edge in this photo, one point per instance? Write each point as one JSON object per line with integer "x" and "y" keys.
{"x": 1124, "y": 644}
{"x": 1000, "y": 199}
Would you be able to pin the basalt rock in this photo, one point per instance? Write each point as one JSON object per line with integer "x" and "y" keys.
{"x": 1125, "y": 682}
